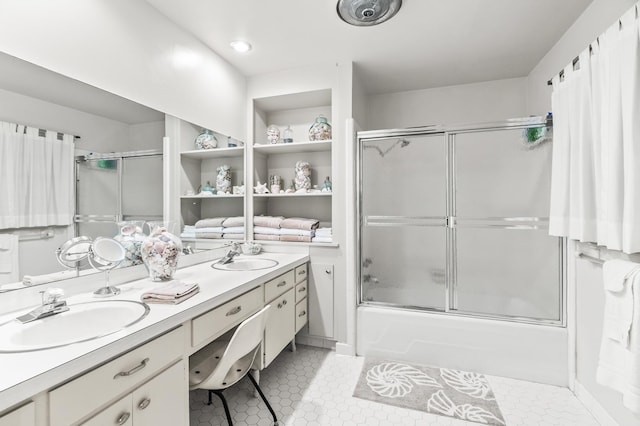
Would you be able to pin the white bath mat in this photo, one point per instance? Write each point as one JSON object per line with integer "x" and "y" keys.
{"x": 446, "y": 392}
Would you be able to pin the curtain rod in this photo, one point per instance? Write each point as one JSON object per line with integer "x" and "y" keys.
{"x": 576, "y": 60}
{"x": 59, "y": 134}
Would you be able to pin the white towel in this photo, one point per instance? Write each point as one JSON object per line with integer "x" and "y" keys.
{"x": 233, "y": 230}
{"x": 264, "y": 230}
{"x": 9, "y": 259}
{"x": 619, "y": 364}
{"x": 304, "y": 232}
{"x": 173, "y": 292}
{"x": 209, "y": 229}
{"x": 618, "y": 311}
{"x": 317, "y": 239}
{"x": 323, "y": 232}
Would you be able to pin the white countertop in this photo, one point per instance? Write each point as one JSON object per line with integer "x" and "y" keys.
{"x": 25, "y": 374}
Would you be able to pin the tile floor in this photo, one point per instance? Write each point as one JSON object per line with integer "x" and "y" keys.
{"x": 314, "y": 387}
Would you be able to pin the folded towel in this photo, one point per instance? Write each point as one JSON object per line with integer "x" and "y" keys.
{"x": 211, "y": 222}
{"x": 233, "y": 222}
{"x": 266, "y": 230}
{"x": 189, "y": 228}
{"x": 233, "y": 230}
{"x": 209, "y": 235}
{"x": 323, "y": 232}
{"x": 317, "y": 239}
{"x": 233, "y": 236}
{"x": 173, "y": 292}
{"x": 268, "y": 221}
{"x": 297, "y": 238}
{"x": 287, "y": 231}
{"x": 188, "y": 235}
{"x": 618, "y": 311}
{"x": 299, "y": 223}
{"x": 266, "y": 237}
{"x": 210, "y": 229}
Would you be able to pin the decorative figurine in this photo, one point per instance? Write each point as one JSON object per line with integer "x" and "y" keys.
{"x": 273, "y": 134}
{"x": 261, "y": 188}
{"x": 302, "y": 180}
{"x": 223, "y": 180}
{"x": 326, "y": 186}
{"x": 208, "y": 188}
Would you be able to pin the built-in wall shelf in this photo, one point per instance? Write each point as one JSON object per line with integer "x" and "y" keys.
{"x": 201, "y": 154}
{"x": 210, "y": 197}
{"x": 294, "y": 147}
{"x": 293, "y": 195}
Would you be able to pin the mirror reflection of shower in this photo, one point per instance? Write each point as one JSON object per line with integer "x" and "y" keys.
{"x": 400, "y": 142}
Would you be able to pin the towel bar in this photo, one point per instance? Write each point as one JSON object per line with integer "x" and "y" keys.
{"x": 590, "y": 258}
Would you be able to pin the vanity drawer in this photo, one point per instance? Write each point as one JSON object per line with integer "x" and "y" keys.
{"x": 25, "y": 415}
{"x": 74, "y": 400}
{"x": 302, "y": 314}
{"x": 301, "y": 273}
{"x": 301, "y": 291}
{"x": 277, "y": 286}
{"x": 211, "y": 324}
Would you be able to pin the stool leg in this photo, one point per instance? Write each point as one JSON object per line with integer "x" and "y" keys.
{"x": 224, "y": 404}
{"x": 255, "y": 384}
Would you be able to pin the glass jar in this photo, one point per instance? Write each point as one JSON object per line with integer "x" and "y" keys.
{"x": 160, "y": 252}
{"x": 320, "y": 130}
{"x": 206, "y": 140}
{"x": 287, "y": 135}
{"x": 130, "y": 236}
{"x": 273, "y": 134}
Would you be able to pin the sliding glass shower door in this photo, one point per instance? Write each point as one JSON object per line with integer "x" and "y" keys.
{"x": 455, "y": 220}
{"x": 404, "y": 209}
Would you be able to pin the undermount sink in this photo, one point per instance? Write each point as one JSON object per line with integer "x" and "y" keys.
{"x": 246, "y": 264}
{"x": 82, "y": 322}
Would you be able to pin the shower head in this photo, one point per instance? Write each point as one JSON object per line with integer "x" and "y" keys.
{"x": 364, "y": 13}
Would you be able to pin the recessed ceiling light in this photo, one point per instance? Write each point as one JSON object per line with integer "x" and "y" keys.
{"x": 240, "y": 46}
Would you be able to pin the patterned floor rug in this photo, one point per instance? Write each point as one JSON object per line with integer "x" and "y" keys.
{"x": 442, "y": 391}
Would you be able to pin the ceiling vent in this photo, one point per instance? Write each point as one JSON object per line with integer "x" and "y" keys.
{"x": 363, "y": 13}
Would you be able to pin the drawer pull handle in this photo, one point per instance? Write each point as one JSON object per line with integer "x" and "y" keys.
{"x": 284, "y": 302}
{"x": 282, "y": 283}
{"x": 144, "y": 403}
{"x": 301, "y": 289}
{"x": 303, "y": 313}
{"x": 279, "y": 305}
{"x": 123, "y": 418}
{"x": 234, "y": 311}
{"x": 134, "y": 370}
{"x": 302, "y": 272}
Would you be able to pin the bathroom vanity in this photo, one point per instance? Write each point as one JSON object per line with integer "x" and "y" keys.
{"x": 139, "y": 375}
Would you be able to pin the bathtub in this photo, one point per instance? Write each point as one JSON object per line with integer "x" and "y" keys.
{"x": 537, "y": 353}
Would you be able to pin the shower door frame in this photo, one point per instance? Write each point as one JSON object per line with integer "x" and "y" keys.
{"x": 118, "y": 216}
{"x": 451, "y": 222}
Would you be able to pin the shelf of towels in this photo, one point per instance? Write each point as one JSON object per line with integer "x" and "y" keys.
{"x": 265, "y": 228}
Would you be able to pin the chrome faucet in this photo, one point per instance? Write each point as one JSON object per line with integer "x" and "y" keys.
{"x": 233, "y": 252}
{"x": 52, "y": 303}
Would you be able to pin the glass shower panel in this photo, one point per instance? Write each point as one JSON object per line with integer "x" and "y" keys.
{"x": 142, "y": 188}
{"x": 404, "y": 176}
{"x": 404, "y": 265}
{"x": 497, "y": 176}
{"x": 98, "y": 187}
{"x": 512, "y": 272}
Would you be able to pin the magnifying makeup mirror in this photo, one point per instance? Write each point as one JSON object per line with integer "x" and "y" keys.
{"x": 103, "y": 254}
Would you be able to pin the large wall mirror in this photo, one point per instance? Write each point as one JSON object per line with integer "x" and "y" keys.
{"x": 118, "y": 165}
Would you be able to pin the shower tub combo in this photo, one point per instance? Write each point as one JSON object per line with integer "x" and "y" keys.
{"x": 456, "y": 267}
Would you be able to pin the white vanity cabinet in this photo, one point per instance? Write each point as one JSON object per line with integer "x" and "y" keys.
{"x": 23, "y": 416}
{"x": 302, "y": 289}
{"x": 280, "y": 329}
{"x": 157, "y": 402}
{"x": 131, "y": 379}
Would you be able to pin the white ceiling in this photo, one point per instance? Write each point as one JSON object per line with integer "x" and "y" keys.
{"x": 429, "y": 43}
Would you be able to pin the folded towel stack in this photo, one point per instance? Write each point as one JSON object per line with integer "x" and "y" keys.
{"x": 267, "y": 228}
{"x": 220, "y": 227}
{"x": 173, "y": 292}
{"x": 189, "y": 231}
{"x": 323, "y": 235}
{"x": 233, "y": 228}
{"x": 277, "y": 228}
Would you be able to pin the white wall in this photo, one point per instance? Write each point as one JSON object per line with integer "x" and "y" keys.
{"x": 130, "y": 49}
{"x": 468, "y": 103}
{"x": 584, "y": 277}
{"x": 593, "y": 22}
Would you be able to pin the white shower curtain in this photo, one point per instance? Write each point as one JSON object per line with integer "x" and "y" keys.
{"x": 595, "y": 185}
{"x": 36, "y": 185}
